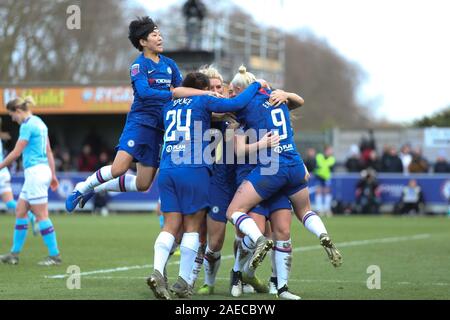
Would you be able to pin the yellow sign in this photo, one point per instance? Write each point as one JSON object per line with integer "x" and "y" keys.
{"x": 72, "y": 100}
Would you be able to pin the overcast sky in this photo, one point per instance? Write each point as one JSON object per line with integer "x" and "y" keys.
{"x": 404, "y": 46}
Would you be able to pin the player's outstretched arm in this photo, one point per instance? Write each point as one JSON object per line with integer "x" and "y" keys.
{"x": 268, "y": 141}
{"x": 293, "y": 100}
{"x": 51, "y": 163}
{"x": 145, "y": 92}
{"x": 234, "y": 104}
{"x": 14, "y": 154}
{"x": 184, "y": 92}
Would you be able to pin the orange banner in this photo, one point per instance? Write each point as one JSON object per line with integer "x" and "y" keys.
{"x": 75, "y": 100}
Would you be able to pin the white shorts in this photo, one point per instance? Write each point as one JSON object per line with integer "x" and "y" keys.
{"x": 35, "y": 187}
{"x": 5, "y": 181}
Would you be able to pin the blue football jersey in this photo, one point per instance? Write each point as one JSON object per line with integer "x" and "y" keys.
{"x": 151, "y": 84}
{"x": 224, "y": 168}
{"x": 186, "y": 121}
{"x": 259, "y": 114}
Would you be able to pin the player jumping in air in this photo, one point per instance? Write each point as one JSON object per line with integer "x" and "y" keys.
{"x": 152, "y": 76}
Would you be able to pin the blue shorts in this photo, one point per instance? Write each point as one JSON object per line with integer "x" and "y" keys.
{"x": 142, "y": 142}
{"x": 241, "y": 175}
{"x": 220, "y": 198}
{"x": 266, "y": 207}
{"x": 323, "y": 183}
{"x": 274, "y": 203}
{"x": 184, "y": 189}
{"x": 289, "y": 180}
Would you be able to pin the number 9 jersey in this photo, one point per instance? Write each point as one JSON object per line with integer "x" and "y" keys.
{"x": 261, "y": 116}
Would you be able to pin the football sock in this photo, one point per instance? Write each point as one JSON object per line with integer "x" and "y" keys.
{"x": 11, "y": 205}
{"x": 124, "y": 183}
{"x": 274, "y": 265}
{"x": 212, "y": 263}
{"x": 314, "y": 224}
{"x": 20, "y": 234}
{"x": 236, "y": 243}
{"x": 283, "y": 260}
{"x": 49, "y": 236}
{"x": 246, "y": 225}
{"x": 197, "y": 264}
{"x": 163, "y": 245}
{"x": 189, "y": 247}
{"x": 236, "y": 266}
{"x": 31, "y": 217}
{"x": 102, "y": 175}
{"x": 248, "y": 247}
{"x": 161, "y": 221}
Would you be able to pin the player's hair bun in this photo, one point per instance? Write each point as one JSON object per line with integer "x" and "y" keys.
{"x": 29, "y": 101}
{"x": 242, "y": 69}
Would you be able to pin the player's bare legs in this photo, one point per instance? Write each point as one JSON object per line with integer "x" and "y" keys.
{"x": 20, "y": 233}
{"x": 312, "y": 222}
{"x": 119, "y": 182}
{"x": 11, "y": 204}
{"x": 141, "y": 182}
{"x": 244, "y": 199}
{"x": 46, "y": 228}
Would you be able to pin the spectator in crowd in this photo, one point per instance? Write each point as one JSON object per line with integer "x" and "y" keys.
{"x": 390, "y": 161}
{"x": 63, "y": 160}
{"x": 367, "y": 193}
{"x": 405, "y": 157}
{"x": 441, "y": 165}
{"x": 94, "y": 140}
{"x": 373, "y": 162}
{"x": 87, "y": 162}
{"x": 353, "y": 163}
{"x": 66, "y": 162}
{"x": 367, "y": 145}
{"x": 310, "y": 159}
{"x": 418, "y": 163}
{"x": 325, "y": 163}
{"x": 412, "y": 200}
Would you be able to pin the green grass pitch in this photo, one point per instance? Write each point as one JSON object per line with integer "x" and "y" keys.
{"x": 115, "y": 254}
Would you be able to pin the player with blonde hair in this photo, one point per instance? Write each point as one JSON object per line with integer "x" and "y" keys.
{"x": 5, "y": 186}
{"x": 285, "y": 183}
{"x": 39, "y": 170}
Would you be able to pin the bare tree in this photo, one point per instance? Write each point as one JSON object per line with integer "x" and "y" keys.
{"x": 37, "y": 46}
{"x": 327, "y": 81}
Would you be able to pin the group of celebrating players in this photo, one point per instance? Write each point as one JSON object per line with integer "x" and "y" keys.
{"x": 200, "y": 140}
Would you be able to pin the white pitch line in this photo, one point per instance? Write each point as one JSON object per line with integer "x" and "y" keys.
{"x": 298, "y": 249}
{"x": 439, "y": 284}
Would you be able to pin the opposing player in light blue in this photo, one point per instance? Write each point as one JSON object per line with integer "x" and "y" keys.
{"x": 5, "y": 187}
{"x": 39, "y": 170}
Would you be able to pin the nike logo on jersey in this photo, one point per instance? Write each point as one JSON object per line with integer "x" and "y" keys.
{"x": 150, "y": 71}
